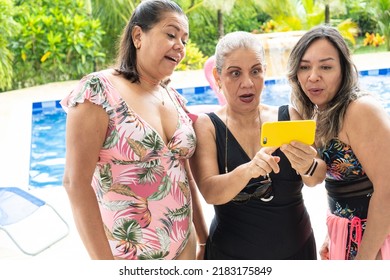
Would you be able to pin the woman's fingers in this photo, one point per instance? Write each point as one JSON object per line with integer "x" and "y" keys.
{"x": 264, "y": 162}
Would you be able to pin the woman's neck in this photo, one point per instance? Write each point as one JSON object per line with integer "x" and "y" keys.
{"x": 150, "y": 81}
{"x": 244, "y": 119}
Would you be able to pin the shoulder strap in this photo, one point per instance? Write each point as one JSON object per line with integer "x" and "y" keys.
{"x": 283, "y": 113}
{"x": 180, "y": 99}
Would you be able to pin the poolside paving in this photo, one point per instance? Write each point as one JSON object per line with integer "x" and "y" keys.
{"x": 15, "y": 140}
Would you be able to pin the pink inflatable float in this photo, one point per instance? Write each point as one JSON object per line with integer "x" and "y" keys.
{"x": 208, "y": 71}
{"x": 205, "y": 108}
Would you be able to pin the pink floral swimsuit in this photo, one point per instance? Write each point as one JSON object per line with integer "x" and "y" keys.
{"x": 140, "y": 183}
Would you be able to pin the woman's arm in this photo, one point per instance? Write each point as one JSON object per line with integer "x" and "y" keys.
{"x": 367, "y": 131}
{"x": 85, "y": 132}
{"x": 198, "y": 218}
{"x": 324, "y": 250}
{"x": 304, "y": 158}
{"x": 221, "y": 188}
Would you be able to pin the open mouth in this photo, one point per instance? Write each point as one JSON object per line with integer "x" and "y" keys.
{"x": 172, "y": 59}
{"x": 315, "y": 91}
{"x": 247, "y": 97}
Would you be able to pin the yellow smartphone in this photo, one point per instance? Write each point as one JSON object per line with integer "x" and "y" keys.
{"x": 275, "y": 134}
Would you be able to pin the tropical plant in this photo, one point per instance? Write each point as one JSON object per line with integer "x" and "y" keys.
{"x": 288, "y": 15}
{"x": 372, "y": 39}
{"x": 8, "y": 28}
{"x": 357, "y": 11}
{"x": 113, "y": 15}
{"x": 194, "y": 58}
{"x": 58, "y": 41}
{"x": 245, "y": 15}
{"x": 380, "y": 10}
{"x": 221, "y": 6}
{"x": 293, "y": 14}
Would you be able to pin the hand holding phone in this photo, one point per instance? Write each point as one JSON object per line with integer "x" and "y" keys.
{"x": 275, "y": 134}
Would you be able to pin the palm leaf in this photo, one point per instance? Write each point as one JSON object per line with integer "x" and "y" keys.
{"x": 163, "y": 189}
{"x": 108, "y": 232}
{"x": 179, "y": 214}
{"x": 153, "y": 141}
{"x": 137, "y": 147}
{"x": 349, "y": 30}
{"x": 118, "y": 205}
{"x": 127, "y": 230}
{"x": 122, "y": 189}
{"x": 164, "y": 239}
{"x": 153, "y": 255}
{"x": 111, "y": 140}
{"x": 106, "y": 177}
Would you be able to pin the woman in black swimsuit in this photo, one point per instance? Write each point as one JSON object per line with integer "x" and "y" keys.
{"x": 256, "y": 192}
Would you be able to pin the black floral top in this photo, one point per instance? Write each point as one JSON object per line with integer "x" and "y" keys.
{"x": 342, "y": 163}
{"x": 349, "y": 190}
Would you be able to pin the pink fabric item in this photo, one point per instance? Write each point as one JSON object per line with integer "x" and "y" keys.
{"x": 337, "y": 232}
{"x": 338, "y": 237}
{"x": 208, "y": 71}
{"x": 385, "y": 249}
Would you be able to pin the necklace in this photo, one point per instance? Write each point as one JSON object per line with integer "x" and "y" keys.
{"x": 158, "y": 84}
{"x": 162, "y": 96}
{"x": 226, "y": 139}
{"x": 158, "y": 98}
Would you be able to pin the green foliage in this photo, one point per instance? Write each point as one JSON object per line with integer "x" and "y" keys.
{"x": 8, "y": 27}
{"x": 58, "y": 41}
{"x": 288, "y": 15}
{"x": 357, "y": 12}
{"x": 380, "y": 10}
{"x": 113, "y": 15}
{"x": 194, "y": 58}
{"x": 361, "y": 48}
{"x": 293, "y": 14}
{"x": 372, "y": 17}
{"x": 203, "y": 29}
{"x": 349, "y": 30}
{"x": 245, "y": 15}
{"x": 43, "y": 41}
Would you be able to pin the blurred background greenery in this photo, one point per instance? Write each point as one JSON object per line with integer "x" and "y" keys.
{"x": 43, "y": 41}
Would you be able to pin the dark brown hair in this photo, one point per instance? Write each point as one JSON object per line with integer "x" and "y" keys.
{"x": 146, "y": 15}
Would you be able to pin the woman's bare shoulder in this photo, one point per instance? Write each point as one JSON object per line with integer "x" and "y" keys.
{"x": 269, "y": 113}
{"x": 203, "y": 121}
{"x": 365, "y": 106}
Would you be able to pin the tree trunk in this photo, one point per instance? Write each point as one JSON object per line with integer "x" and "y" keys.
{"x": 327, "y": 15}
{"x": 220, "y": 24}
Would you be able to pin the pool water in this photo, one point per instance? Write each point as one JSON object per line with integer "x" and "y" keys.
{"x": 47, "y": 157}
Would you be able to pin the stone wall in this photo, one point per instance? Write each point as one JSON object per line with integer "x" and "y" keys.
{"x": 277, "y": 47}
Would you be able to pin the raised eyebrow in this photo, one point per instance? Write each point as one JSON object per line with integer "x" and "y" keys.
{"x": 257, "y": 65}
{"x": 233, "y": 67}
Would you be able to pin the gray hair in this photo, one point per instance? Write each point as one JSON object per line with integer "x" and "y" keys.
{"x": 236, "y": 40}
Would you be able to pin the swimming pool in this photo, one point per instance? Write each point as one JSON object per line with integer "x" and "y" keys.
{"x": 47, "y": 157}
